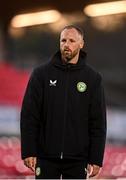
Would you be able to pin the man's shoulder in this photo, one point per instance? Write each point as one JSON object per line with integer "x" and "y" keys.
{"x": 40, "y": 69}
{"x": 39, "y": 72}
{"x": 93, "y": 74}
{"x": 92, "y": 71}
{"x": 42, "y": 66}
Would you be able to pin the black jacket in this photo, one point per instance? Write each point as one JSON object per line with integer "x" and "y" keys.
{"x": 63, "y": 112}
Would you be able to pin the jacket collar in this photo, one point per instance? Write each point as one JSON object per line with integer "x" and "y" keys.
{"x": 57, "y": 61}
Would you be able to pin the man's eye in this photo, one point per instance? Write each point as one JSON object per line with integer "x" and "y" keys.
{"x": 63, "y": 40}
{"x": 72, "y": 40}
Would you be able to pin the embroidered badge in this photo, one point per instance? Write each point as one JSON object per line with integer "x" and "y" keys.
{"x": 38, "y": 171}
{"x": 81, "y": 86}
{"x": 52, "y": 83}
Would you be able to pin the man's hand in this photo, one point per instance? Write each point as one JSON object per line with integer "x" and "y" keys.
{"x": 30, "y": 162}
{"x": 92, "y": 170}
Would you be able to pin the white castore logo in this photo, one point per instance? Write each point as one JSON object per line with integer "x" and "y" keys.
{"x": 52, "y": 83}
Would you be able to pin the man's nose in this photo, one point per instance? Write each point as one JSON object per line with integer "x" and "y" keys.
{"x": 67, "y": 44}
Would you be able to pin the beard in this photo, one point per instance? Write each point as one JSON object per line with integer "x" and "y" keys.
{"x": 68, "y": 55}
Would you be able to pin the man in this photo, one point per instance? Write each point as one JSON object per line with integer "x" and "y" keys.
{"x": 63, "y": 117}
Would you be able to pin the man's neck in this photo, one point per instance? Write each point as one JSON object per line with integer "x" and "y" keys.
{"x": 72, "y": 61}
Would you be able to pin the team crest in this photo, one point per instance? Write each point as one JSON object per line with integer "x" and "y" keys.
{"x": 81, "y": 86}
{"x": 38, "y": 171}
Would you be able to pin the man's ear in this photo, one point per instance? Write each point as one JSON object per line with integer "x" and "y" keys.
{"x": 82, "y": 44}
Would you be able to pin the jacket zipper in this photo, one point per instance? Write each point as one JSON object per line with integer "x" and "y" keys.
{"x": 61, "y": 156}
{"x": 65, "y": 110}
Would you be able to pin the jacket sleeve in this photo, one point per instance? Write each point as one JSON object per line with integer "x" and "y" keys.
{"x": 97, "y": 124}
{"x": 30, "y": 117}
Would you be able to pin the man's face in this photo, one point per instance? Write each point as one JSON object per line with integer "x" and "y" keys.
{"x": 70, "y": 44}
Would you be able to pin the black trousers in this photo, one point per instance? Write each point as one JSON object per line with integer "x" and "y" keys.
{"x": 60, "y": 168}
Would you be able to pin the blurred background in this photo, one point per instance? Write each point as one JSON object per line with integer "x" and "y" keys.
{"x": 29, "y": 35}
